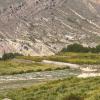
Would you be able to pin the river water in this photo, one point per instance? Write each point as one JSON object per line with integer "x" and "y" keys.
{"x": 27, "y": 79}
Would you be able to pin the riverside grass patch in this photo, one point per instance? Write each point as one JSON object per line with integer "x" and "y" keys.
{"x": 69, "y": 57}
{"x": 77, "y": 58}
{"x": 10, "y": 67}
{"x": 67, "y": 89}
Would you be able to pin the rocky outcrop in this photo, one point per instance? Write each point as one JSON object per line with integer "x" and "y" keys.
{"x": 44, "y": 27}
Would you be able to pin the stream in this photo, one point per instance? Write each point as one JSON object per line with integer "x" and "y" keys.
{"x": 27, "y": 79}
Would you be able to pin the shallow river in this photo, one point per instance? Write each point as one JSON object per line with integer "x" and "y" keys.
{"x": 27, "y": 79}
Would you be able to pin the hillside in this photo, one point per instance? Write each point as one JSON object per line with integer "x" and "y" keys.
{"x": 44, "y": 27}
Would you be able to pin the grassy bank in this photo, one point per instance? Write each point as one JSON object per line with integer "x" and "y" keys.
{"x": 77, "y": 58}
{"x": 25, "y": 63}
{"x": 12, "y": 67}
{"x": 67, "y": 89}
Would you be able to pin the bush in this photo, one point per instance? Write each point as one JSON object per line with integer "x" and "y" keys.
{"x": 79, "y": 48}
{"x": 75, "y": 48}
{"x": 97, "y": 49}
{"x": 73, "y": 97}
{"x": 7, "y": 56}
{"x": 48, "y": 69}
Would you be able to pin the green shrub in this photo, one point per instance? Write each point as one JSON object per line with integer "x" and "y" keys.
{"x": 7, "y": 56}
{"x": 39, "y": 70}
{"x": 79, "y": 48}
{"x": 48, "y": 69}
{"x": 73, "y": 97}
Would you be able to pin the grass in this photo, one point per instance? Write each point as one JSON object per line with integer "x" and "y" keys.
{"x": 66, "y": 89}
{"x": 12, "y": 67}
{"x": 77, "y": 58}
{"x": 36, "y": 58}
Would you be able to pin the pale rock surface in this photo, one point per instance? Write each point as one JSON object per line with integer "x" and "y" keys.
{"x": 44, "y": 27}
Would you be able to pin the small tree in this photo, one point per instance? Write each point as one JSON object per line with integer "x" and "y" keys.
{"x": 79, "y": 48}
{"x": 7, "y": 56}
{"x": 97, "y": 49}
{"x": 76, "y": 48}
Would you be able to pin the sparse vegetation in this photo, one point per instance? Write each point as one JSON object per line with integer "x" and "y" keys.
{"x": 66, "y": 89}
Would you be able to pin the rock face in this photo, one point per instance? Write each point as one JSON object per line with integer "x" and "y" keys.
{"x": 44, "y": 27}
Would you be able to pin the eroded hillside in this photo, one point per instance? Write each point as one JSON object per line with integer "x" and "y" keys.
{"x": 43, "y": 27}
